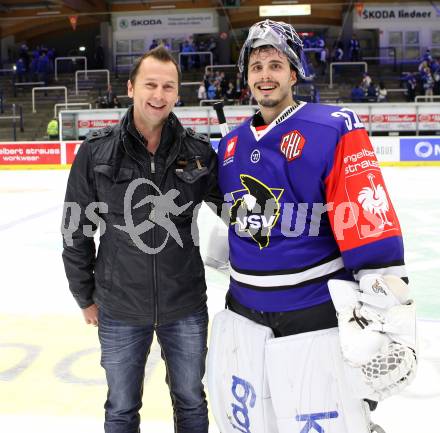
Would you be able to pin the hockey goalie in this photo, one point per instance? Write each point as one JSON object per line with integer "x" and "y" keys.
{"x": 319, "y": 325}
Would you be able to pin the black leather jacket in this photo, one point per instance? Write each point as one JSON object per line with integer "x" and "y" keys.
{"x": 148, "y": 269}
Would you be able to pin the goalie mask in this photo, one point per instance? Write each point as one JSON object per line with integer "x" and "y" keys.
{"x": 279, "y": 35}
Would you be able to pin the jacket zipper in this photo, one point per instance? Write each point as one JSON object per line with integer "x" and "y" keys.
{"x": 155, "y": 291}
{"x": 153, "y": 172}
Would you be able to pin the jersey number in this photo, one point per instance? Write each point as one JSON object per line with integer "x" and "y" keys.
{"x": 349, "y": 116}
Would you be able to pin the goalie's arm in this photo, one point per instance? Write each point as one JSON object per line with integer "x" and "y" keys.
{"x": 362, "y": 217}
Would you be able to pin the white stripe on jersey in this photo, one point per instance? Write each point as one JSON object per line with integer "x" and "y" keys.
{"x": 289, "y": 279}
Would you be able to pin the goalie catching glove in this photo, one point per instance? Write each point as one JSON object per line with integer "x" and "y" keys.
{"x": 377, "y": 330}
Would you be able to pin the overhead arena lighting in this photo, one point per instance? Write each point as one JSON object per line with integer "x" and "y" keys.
{"x": 163, "y": 7}
{"x": 285, "y": 10}
{"x": 48, "y": 13}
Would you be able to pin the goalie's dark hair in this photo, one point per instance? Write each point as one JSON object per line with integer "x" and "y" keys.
{"x": 159, "y": 53}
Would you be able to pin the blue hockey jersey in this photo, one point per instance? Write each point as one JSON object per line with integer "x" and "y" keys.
{"x": 306, "y": 203}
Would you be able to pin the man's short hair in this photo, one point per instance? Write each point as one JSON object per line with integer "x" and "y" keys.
{"x": 159, "y": 53}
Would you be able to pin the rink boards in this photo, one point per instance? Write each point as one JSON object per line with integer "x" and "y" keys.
{"x": 390, "y": 151}
{"x": 50, "y": 378}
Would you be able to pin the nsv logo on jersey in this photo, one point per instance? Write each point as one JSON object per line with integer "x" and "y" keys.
{"x": 257, "y": 209}
{"x": 292, "y": 145}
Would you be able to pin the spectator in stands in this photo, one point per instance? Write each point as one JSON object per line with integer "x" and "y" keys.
{"x": 223, "y": 83}
{"x": 207, "y": 79}
{"x": 382, "y": 94}
{"x": 307, "y": 43}
{"x": 218, "y": 89}
{"x": 372, "y": 92}
{"x": 201, "y": 93}
{"x": 435, "y": 68}
{"x": 338, "y": 53}
{"x": 166, "y": 44}
{"x": 20, "y": 70}
{"x": 110, "y": 99}
{"x": 314, "y": 94}
{"x": 212, "y": 46}
{"x": 99, "y": 57}
{"x": 422, "y": 66}
{"x": 428, "y": 84}
{"x": 411, "y": 86}
{"x": 245, "y": 96}
{"x": 212, "y": 90}
{"x": 33, "y": 69}
{"x": 52, "y": 129}
{"x": 43, "y": 68}
{"x": 51, "y": 55}
{"x": 357, "y": 94}
{"x": 230, "y": 91}
{"x": 187, "y": 60}
{"x": 195, "y": 57}
{"x": 366, "y": 81}
{"x": 354, "y": 49}
{"x": 179, "y": 102}
{"x": 320, "y": 44}
{"x": 24, "y": 54}
{"x": 427, "y": 57}
{"x": 323, "y": 55}
{"x": 153, "y": 44}
{"x": 36, "y": 52}
{"x": 204, "y": 58}
{"x": 238, "y": 84}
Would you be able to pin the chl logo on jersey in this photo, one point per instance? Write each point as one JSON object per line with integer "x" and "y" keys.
{"x": 257, "y": 210}
{"x": 292, "y": 145}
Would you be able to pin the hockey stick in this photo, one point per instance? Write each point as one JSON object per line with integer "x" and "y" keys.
{"x": 224, "y": 128}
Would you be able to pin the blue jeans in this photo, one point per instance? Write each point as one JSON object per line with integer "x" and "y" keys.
{"x": 124, "y": 352}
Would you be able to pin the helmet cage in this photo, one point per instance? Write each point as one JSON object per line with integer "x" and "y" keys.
{"x": 279, "y": 35}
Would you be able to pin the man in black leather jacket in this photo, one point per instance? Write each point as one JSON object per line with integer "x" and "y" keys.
{"x": 142, "y": 183}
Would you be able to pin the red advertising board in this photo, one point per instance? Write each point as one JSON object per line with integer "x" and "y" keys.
{"x": 71, "y": 150}
{"x": 30, "y": 153}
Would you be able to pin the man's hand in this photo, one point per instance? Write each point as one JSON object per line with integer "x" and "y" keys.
{"x": 91, "y": 315}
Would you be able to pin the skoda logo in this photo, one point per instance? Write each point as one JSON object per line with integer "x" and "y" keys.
{"x": 123, "y": 24}
{"x": 255, "y": 156}
{"x": 423, "y": 149}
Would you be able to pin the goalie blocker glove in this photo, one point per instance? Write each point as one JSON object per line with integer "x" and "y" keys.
{"x": 377, "y": 329}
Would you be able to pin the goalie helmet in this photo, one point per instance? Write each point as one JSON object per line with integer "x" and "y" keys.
{"x": 279, "y": 35}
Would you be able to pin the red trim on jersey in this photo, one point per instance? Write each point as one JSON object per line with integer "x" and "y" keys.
{"x": 360, "y": 210}
{"x": 261, "y": 128}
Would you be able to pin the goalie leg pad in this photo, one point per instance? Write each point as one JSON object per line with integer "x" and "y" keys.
{"x": 237, "y": 384}
{"x": 309, "y": 388}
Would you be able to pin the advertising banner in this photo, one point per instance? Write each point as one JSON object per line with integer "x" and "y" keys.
{"x": 86, "y": 122}
{"x": 429, "y": 118}
{"x": 201, "y": 22}
{"x": 71, "y": 150}
{"x": 30, "y": 153}
{"x": 374, "y": 15}
{"x": 420, "y": 149}
{"x": 393, "y": 118}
